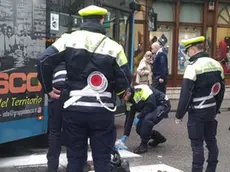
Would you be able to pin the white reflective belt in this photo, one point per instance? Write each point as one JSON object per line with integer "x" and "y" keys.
{"x": 92, "y": 104}
{"x": 58, "y": 80}
{"x": 89, "y": 93}
{"x": 61, "y": 72}
{"x": 203, "y": 98}
{"x": 205, "y": 106}
{"x": 73, "y": 99}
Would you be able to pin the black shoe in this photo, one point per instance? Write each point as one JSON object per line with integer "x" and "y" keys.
{"x": 87, "y": 167}
{"x": 142, "y": 148}
{"x": 51, "y": 170}
{"x": 157, "y": 138}
{"x": 155, "y": 143}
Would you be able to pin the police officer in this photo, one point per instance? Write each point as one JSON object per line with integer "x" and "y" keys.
{"x": 201, "y": 95}
{"x": 55, "y": 107}
{"x": 96, "y": 68}
{"x": 153, "y": 106}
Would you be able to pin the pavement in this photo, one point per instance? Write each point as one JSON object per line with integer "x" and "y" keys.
{"x": 173, "y": 156}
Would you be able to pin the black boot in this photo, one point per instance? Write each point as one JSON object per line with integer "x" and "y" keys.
{"x": 157, "y": 137}
{"x": 51, "y": 169}
{"x": 87, "y": 167}
{"x": 142, "y": 148}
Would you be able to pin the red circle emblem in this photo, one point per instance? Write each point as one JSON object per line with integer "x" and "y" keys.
{"x": 216, "y": 88}
{"x": 96, "y": 80}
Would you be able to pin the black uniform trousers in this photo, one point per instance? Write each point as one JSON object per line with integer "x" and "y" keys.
{"x": 145, "y": 125}
{"x": 202, "y": 126}
{"x": 160, "y": 86}
{"x": 77, "y": 128}
{"x": 55, "y": 109}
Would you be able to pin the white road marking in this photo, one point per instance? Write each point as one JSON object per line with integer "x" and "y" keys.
{"x": 153, "y": 168}
{"x": 41, "y": 159}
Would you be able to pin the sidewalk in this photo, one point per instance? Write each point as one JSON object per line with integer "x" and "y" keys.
{"x": 225, "y": 105}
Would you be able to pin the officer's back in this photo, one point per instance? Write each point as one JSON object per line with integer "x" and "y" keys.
{"x": 96, "y": 68}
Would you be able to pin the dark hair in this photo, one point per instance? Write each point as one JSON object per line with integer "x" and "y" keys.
{"x": 9, "y": 27}
{"x": 200, "y": 46}
{"x": 93, "y": 18}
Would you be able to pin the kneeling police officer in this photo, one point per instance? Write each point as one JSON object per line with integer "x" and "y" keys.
{"x": 201, "y": 95}
{"x": 96, "y": 69}
{"x": 153, "y": 106}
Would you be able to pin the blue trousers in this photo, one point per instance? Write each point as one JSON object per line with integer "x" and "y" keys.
{"x": 77, "y": 128}
{"x": 145, "y": 125}
{"x": 202, "y": 127}
{"x": 160, "y": 86}
{"x": 55, "y": 125}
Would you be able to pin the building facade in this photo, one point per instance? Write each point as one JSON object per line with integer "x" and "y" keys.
{"x": 183, "y": 19}
{"x": 29, "y": 26}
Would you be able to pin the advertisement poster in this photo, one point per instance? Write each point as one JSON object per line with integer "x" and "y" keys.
{"x": 22, "y": 33}
{"x": 54, "y": 21}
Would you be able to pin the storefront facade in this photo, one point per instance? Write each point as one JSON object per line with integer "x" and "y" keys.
{"x": 183, "y": 19}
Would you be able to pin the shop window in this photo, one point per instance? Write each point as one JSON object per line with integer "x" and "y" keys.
{"x": 165, "y": 11}
{"x": 75, "y": 22}
{"x": 109, "y": 22}
{"x": 123, "y": 29}
{"x": 208, "y": 42}
{"x": 224, "y": 14}
{"x": 190, "y": 13}
{"x": 223, "y": 48}
{"x": 168, "y": 32}
{"x": 185, "y": 33}
{"x": 138, "y": 44}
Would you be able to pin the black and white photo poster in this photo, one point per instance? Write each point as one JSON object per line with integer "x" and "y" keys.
{"x": 22, "y": 39}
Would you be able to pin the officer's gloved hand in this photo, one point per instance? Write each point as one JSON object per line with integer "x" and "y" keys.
{"x": 136, "y": 120}
{"x": 120, "y": 144}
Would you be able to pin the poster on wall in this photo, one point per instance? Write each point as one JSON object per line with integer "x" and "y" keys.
{"x": 21, "y": 94}
{"x": 54, "y": 22}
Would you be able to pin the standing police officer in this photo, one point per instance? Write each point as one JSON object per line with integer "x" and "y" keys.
{"x": 201, "y": 95}
{"x": 55, "y": 107}
{"x": 96, "y": 68}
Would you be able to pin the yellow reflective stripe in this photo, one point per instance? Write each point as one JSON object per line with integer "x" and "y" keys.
{"x": 60, "y": 44}
{"x": 121, "y": 59}
{"x": 120, "y": 92}
{"x": 222, "y": 72}
{"x": 202, "y": 65}
{"x": 89, "y": 40}
{"x": 142, "y": 94}
{"x": 190, "y": 73}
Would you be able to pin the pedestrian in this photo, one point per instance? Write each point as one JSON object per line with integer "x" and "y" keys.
{"x": 160, "y": 67}
{"x": 96, "y": 68}
{"x": 201, "y": 95}
{"x": 144, "y": 70}
{"x": 152, "y": 106}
